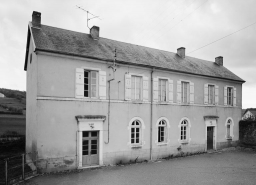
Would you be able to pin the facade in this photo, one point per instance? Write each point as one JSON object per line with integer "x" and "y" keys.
{"x": 93, "y": 101}
{"x": 1, "y": 95}
{"x": 249, "y": 114}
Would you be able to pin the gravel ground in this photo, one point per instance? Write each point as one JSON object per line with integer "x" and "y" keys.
{"x": 230, "y": 166}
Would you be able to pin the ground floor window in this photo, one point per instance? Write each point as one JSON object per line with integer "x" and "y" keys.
{"x": 135, "y": 132}
{"x": 162, "y": 132}
{"x": 184, "y": 130}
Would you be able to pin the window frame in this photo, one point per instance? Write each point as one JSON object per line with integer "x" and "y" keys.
{"x": 135, "y": 127}
{"x": 183, "y": 93}
{"x": 230, "y": 97}
{"x": 213, "y": 94}
{"x": 142, "y": 128}
{"x": 160, "y": 90}
{"x": 140, "y": 88}
{"x": 229, "y": 122}
{"x": 188, "y": 130}
{"x": 90, "y": 84}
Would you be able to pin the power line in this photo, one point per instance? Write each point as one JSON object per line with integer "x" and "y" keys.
{"x": 223, "y": 37}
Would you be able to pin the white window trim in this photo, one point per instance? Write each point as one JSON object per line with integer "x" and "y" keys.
{"x": 166, "y": 89}
{"x": 234, "y": 96}
{"x": 167, "y": 131}
{"x": 141, "y": 88}
{"x": 214, "y": 93}
{"x": 188, "y": 131}
{"x": 188, "y": 93}
{"x": 141, "y": 134}
{"x": 231, "y": 128}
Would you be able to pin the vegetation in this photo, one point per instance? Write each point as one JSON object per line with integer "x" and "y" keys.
{"x": 247, "y": 131}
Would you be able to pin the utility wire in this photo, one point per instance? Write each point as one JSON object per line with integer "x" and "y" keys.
{"x": 223, "y": 37}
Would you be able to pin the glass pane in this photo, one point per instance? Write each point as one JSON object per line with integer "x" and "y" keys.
{"x": 93, "y": 81}
{"x": 94, "y": 134}
{"x": 86, "y": 74}
{"x": 133, "y": 130}
{"x": 94, "y": 142}
{"x": 86, "y": 87}
{"x": 86, "y": 80}
{"x": 85, "y": 142}
{"x": 93, "y": 74}
{"x": 132, "y": 140}
{"x": 137, "y": 129}
{"x": 86, "y": 93}
{"x": 85, "y": 134}
{"x": 94, "y": 147}
{"x": 93, "y": 152}
{"x": 137, "y": 141}
{"x": 85, "y": 152}
{"x": 137, "y": 123}
{"x": 132, "y": 136}
{"x": 137, "y": 135}
{"x": 85, "y": 147}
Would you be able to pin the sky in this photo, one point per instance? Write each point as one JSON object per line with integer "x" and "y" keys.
{"x": 161, "y": 24}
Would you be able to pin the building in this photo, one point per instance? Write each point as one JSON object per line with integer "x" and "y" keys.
{"x": 249, "y": 114}
{"x": 94, "y": 101}
{"x": 1, "y": 95}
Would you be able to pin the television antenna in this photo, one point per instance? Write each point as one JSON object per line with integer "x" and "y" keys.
{"x": 88, "y": 13}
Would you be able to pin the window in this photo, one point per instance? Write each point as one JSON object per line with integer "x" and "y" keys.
{"x": 136, "y": 87}
{"x": 136, "y": 132}
{"x": 184, "y": 92}
{"x": 228, "y": 129}
{"x": 162, "y": 132}
{"x": 211, "y": 94}
{"x": 90, "y": 84}
{"x": 230, "y": 96}
{"x": 162, "y": 90}
{"x": 184, "y": 130}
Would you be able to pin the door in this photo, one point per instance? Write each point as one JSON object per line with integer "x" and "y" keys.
{"x": 210, "y": 138}
{"x": 90, "y": 148}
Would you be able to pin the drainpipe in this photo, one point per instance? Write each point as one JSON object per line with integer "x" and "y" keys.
{"x": 109, "y": 106}
{"x": 151, "y": 113}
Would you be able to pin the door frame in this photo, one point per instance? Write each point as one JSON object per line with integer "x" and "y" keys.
{"x": 211, "y": 122}
{"x": 86, "y": 123}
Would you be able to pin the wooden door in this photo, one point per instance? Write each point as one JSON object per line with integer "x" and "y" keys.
{"x": 90, "y": 148}
{"x": 210, "y": 138}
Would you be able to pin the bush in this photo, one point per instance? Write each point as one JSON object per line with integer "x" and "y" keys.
{"x": 247, "y": 132}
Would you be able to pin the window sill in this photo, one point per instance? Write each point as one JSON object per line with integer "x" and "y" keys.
{"x": 136, "y": 146}
{"x": 229, "y": 138}
{"x": 137, "y": 101}
{"x": 184, "y": 142}
{"x": 161, "y": 144}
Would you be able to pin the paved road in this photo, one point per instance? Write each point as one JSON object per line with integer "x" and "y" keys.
{"x": 233, "y": 167}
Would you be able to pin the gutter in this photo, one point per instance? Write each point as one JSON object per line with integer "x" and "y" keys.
{"x": 131, "y": 63}
{"x": 151, "y": 113}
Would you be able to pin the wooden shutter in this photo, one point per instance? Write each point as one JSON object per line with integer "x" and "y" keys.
{"x": 216, "y": 95}
{"x": 155, "y": 89}
{"x": 102, "y": 85}
{"x": 206, "y": 90}
{"x": 170, "y": 90}
{"x": 178, "y": 91}
{"x": 225, "y": 95}
{"x": 192, "y": 94}
{"x": 234, "y": 97}
{"x": 127, "y": 87}
{"x": 79, "y": 83}
{"x": 145, "y": 88}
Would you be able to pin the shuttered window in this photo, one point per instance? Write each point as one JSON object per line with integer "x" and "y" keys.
{"x": 162, "y": 90}
{"x": 230, "y": 96}
{"x": 90, "y": 84}
{"x": 211, "y": 94}
{"x": 184, "y": 92}
{"x": 136, "y": 88}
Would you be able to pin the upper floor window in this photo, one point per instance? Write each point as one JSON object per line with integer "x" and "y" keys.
{"x": 90, "y": 83}
{"x": 136, "y": 88}
{"x": 185, "y": 92}
{"x": 211, "y": 94}
{"x": 162, "y": 132}
{"x": 230, "y": 95}
{"x": 162, "y": 90}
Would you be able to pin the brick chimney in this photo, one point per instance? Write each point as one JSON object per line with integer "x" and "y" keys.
{"x": 181, "y": 52}
{"x": 36, "y": 18}
{"x": 95, "y": 32}
{"x": 219, "y": 60}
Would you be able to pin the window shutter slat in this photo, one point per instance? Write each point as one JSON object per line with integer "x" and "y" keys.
{"x": 216, "y": 94}
{"x": 191, "y": 93}
{"x": 170, "y": 90}
{"x": 155, "y": 89}
{"x": 127, "y": 87}
{"x": 225, "y": 95}
{"x": 206, "y": 93}
{"x": 145, "y": 88}
{"x": 234, "y": 101}
{"x": 79, "y": 83}
{"x": 178, "y": 91}
{"x": 102, "y": 85}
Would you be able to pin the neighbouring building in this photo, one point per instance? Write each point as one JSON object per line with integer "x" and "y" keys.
{"x": 93, "y": 101}
{"x": 249, "y": 114}
{"x": 1, "y": 95}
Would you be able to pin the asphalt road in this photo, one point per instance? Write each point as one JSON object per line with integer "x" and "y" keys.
{"x": 230, "y": 167}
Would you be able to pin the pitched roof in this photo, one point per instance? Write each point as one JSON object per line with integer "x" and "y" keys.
{"x": 56, "y": 40}
{"x": 252, "y": 110}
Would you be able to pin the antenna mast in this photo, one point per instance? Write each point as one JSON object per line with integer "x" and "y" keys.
{"x": 94, "y": 16}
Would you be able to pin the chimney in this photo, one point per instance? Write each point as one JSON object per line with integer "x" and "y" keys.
{"x": 219, "y": 60}
{"x": 36, "y": 18}
{"x": 95, "y": 32}
{"x": 181, "y": 52}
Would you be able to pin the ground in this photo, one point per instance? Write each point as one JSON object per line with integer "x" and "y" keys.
{"x": 224, "y": 167}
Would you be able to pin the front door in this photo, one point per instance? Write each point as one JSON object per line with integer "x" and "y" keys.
{"x": 210, "y": 138}
{"x": 90, "y": 148}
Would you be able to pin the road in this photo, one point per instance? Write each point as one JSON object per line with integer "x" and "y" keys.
{"x": 230, "y": 167}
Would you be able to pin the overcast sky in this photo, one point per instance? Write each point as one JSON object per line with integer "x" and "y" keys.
{"x": 161, "y": 24}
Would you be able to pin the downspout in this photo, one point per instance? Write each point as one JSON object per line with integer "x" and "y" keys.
{"x": 151, "y": 113}
{"x": 109, "y": 106}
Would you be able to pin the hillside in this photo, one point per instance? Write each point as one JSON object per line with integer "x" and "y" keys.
{"x": 13, "y": 102}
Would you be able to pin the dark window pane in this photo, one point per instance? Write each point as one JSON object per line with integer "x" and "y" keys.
{"x": 137, "y": 135}
{"x": 132, "y": 136}
{"x": 93, "y": 74}
{"x": 85, "y": 80}
{"x": 137, "y": 123}
{"x": 85, "y": 147}
{"x": 132, "y": 130}
{"x": 86, "y": 74}
{"x": 86, "y": 87}
{"x": 85, "y": 134}
{"x": 85, "y": 142}
{"x": 93, "y": 152}
{"x": 137, "y": 141}
{"x": 86, "y": 93}
{"x": 94, "y": 147}
{"x": 94, "y": 142}
{"x": 94, "y": 134}
{"x": 85, "y": 152}
{"x": 137, "y": 129}
{"x": 132, "y": 140}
